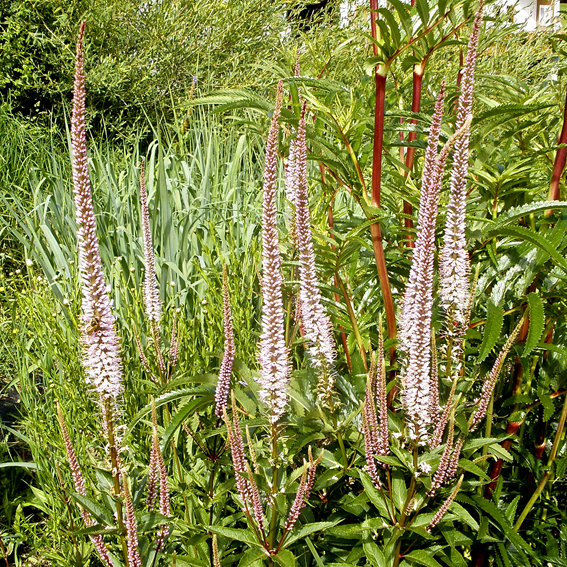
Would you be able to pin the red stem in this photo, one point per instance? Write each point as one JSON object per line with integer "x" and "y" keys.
{"x": 560, "y": 159}
{"x": 379, "y": 111}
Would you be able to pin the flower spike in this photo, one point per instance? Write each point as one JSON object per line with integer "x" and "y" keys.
{"x": 152, "y": 299}
{"x": 316, "y": 324}
{"x": 223, "y": 383}
{"x": 101, "y": 354}
{"x": 273, "y": 355}
{"x": 415, "y": 327}
{"x": 79, "y": 485}
{"x": 454, "y": 261}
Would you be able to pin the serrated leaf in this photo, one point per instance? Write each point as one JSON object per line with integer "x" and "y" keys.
{"x": 548, "y": 406}
{"x": 518, "y": 212}
{"x": 537, "y": 323}
{"x": 535, "y": 238}
{"x": 251, "y": 556}
{"x": 285, "y": 558}
{"x": 491, "y": 509}
{"x": 308, "y": 529}
{"x": 469, "y": 466}
{"x": 492, "y": 329}
{"x": 246, "y": 536}
{"x": 511, "y": 510}
{"x": 422, "y": 558}
{"x": 499, "y": 452}
{"x": 101, "y": 513}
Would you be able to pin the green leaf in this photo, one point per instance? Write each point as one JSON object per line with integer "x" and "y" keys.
{"x": 285, "y": 558}
{"x": 373, "y": 494}
{"x": 101, "y": 513}
{"x": 531, "y": 236}
{"x": 469, "y": 466}
{"x": 422, "y": 558}
{"x": 548, "y": 406}
{"x": 501, "y": 521}
{"x": 537, "y": 323}
{"x": 492, "y": 329}
{"x": 515, "y": 213}
{"x": 251, "y": 556}
{"x": 463, "y": 515}
{"x": 373, "y": 553}
{"x": 399, "y": 489}
{"x": 499, "y": 452}
{"x": 246, "y": 536}
{"x": 309, "y": 529}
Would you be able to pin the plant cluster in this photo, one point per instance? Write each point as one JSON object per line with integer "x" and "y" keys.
{"x": 381, "y": 452}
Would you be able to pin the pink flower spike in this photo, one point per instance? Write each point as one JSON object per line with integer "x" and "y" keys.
{"x": 439, "y": 515}
{"x": 415, "y": 325}
{"x": 316, "y": 324}
{"x": 273, "y": 356}
{"x": 299, "y": 501}
{"x": 454, "y": 259}
{"x": 223, "y": 383}
{"x": 490, "y": 380}
{"x": 152, "y": 300}
{"x": 134, "y": 559}
{"x": 101, "y": 356}
{"x": 79, "y": 485}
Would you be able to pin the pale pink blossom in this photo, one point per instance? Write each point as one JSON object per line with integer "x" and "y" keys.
{"x": 101, "y": 356}
{"x": 273, "y": 356}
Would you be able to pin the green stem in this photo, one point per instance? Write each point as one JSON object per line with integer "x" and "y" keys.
{"x": 273, "y": 521}
{"x": 116, "y": 477}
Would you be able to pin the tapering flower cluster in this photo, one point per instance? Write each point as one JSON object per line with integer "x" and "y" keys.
{"x": 303, "y": 492}
{"x": 101, "y": 356}
{"x": 316, "y": 324}
{"x": 273, "y": 354}
{"x": 158, "y": 485}
{"x": 152, "y": 300}
{"x": 79, "y": 485}
{"x": 225, "y": 373}
{"x": 490, "y": 380}
{"x": 441, "y": 472}
{"x": 134, "y": 559}
{"x": 454, "y": 261}
{"x": 375, "y": 429}
{"x": 442, "y": 511}
{"x": 245, "y": 483}
{"x": 415, "y": 327}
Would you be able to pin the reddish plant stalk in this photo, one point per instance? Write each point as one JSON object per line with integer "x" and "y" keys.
{"x": 380, "y": 74}
{"x": 560, "y": 159}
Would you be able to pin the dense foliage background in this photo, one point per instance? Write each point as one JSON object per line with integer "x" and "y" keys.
{"x": 203, "y": 140}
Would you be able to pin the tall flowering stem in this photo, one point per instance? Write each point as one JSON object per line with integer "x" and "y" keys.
{"x": 273, "y": 355}
{"x": 101, "y": 356}
{"x": 454, "y": 262}
{"x": 223, "y": 383}
{"x": 316, "y": 324}
{"x": 79, "y": 485}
